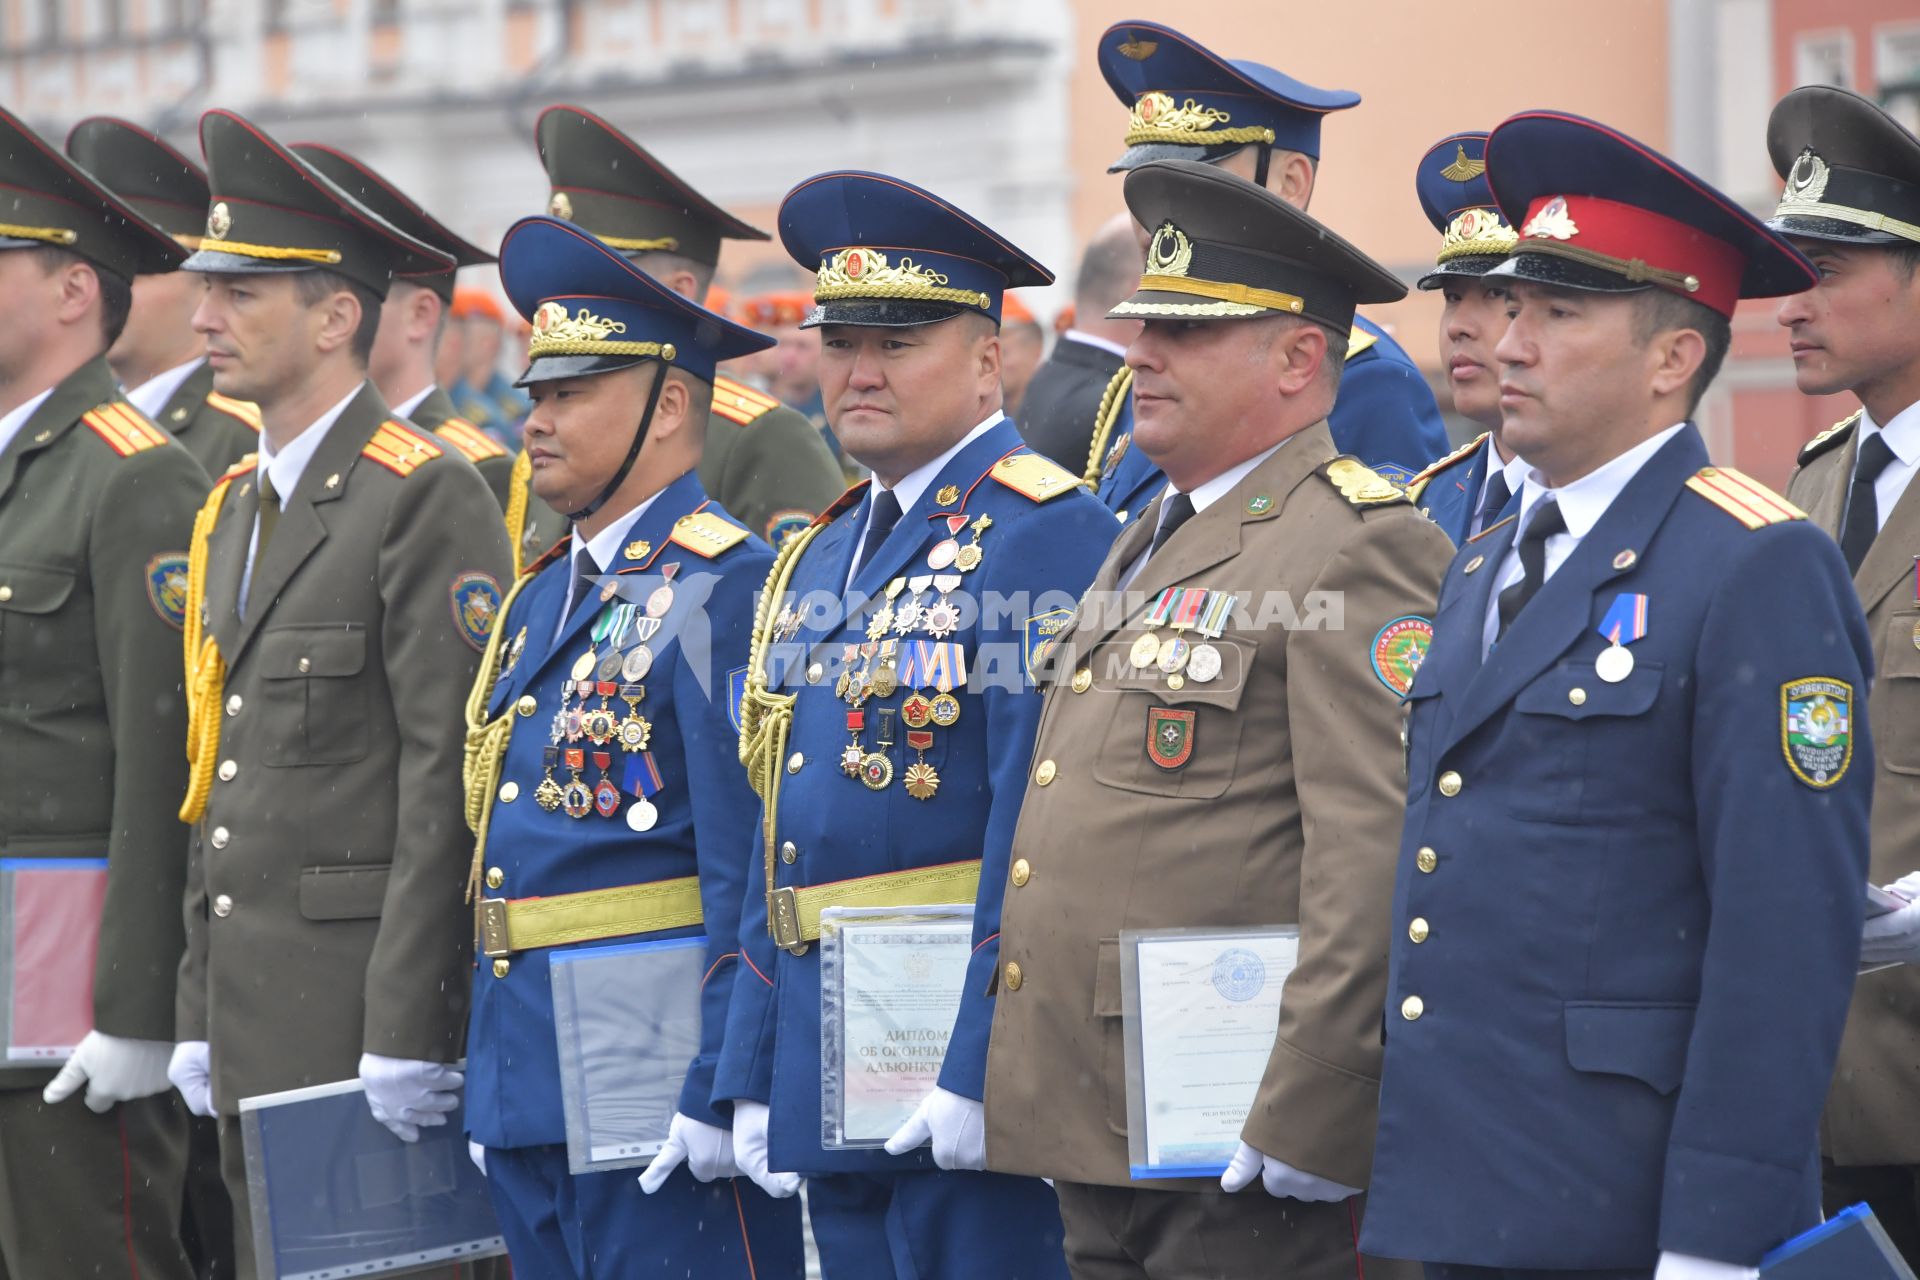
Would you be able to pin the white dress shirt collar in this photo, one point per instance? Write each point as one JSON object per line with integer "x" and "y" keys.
{"x": 151, "y": 396}
{"x": 915, "y": 482}
{"x": 16, "y": 418}
{"x": 285, "y": 467}
{"x": 406, "y": 407}
{"x": 1204, "y": 495}
{"x": 1902, "y": 435}
{"x": 602, "y": 546}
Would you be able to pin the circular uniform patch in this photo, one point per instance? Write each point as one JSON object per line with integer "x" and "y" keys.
{"x": 785, "y": 524}
{"x": 1399, "y": 650}
{"x": 476, "y": 602}
{"x": 1239, "y": 975}
{"x": 167, "y": 587}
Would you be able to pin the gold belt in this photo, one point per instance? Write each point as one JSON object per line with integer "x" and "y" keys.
{"x": 795, "y": 913}
{"x": 526, "y": 924}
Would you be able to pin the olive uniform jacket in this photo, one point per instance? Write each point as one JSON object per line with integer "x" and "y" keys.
{"x": 217, "y": 430}
{"x": 324, "y": 903}
{"x": 765, "y": 463}
{"x": 488, "y": 456}
{"x": 1876, "y": 1086}
{"x": 1280, "y": 805}
{"x": 96, "y": 506}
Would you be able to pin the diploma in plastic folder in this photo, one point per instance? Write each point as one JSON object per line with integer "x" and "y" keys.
{"x": 49, "y": 930}
{"x": 1851, "y": 1245}
{"x": 334, "y": 1194}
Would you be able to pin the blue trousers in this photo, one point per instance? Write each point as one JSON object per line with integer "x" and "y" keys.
{"x": 935, "y": 1225}
{"x": 1449, "y": 1271}
{"x": 601, "y": 1226}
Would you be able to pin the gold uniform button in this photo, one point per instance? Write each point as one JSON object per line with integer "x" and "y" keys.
{"x": 501, "y": 968}
{"x": 306, "y": 665}
{"x": 795, "y": 762}
{"x": 1426, "y": 860}
{"x": 1578, "y": 697}
{"x": 495, "y": 877}
{"x": 1046, "y": 773}
{"x": 223, "y": 906}
{"x": 1022, "y": 872}
{"x": 527, "y": 705}
{"x": 1083, "y": 680}
{"x": 220, "y": 837}
{"x": 1449, "y": 784}
{"x": 814, "y": 673}
{"x": 789, "y": 854}
{"x": 1013, "y": 978}
{"x": 1417, "y": 930}
{"x": 1412, "y": 1007}
{"x": 234, "y": 704}
{"x": 1176, "y": 682}
{"x": 509, "y": 792}
{"x": 227, "y": 770}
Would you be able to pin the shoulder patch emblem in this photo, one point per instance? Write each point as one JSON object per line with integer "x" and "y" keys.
{"x": 1033, "y": 476}
{"x": 470, "y": 440}
{"x": 1169, "y": 736}
{"x": 706, "y": 534}
{"x": 1832, "y": 438}
{"x": 124, "y": 428}
{"x": 1362, "y": 485}
{"x": 167, "y": 587}
{"x": 476, "y": 603}
{"x": 245, "y": 410}
{"x": 1745, "y": 499}
{"x": 1039, "y": 634}
{"x": 400, "y": 448}
{"x": 1816, "y": 729}
{"x": 739, "y": 403}
{"x": 1399, "y": 649}
{"x": 785, "y": 524}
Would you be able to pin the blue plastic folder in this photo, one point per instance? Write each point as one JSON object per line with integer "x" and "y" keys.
{"x": 1851, "y": 1245}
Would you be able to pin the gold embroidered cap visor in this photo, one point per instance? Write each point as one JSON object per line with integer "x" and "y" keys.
{"x": 144, "y": 170}
{"x": 1224, "y": 249}
{"x": 274, "y": 212}
{"x": 48, "y": 201}
{"x": 1852, "y": 171}
{"x": 364, "y": 184}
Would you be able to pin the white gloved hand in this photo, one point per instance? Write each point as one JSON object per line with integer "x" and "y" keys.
{"x": 1281, "y": 1179}
{"x": 1907, "y": 886}
{"x": 750, "y": 1150}
{"x": 706, "y": 1150}
{"x": 1684, "y": 1266}
{"x": 477, "y": 1154}
{"x": 407, "y": 1095}
{"x": 956, "y": 1125}
{"x": 114, "y": 1069}
{"x": 1893, "y": 938}
{"x": 191, "y": 1071}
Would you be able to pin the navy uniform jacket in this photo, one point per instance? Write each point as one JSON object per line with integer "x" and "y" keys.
{"x": 705, "y": 808}
{"x": 1385, "y": 416}
{"x": 1448, "y": 492}
{"x": 1627, "y": 915}
{"x": 1038, "y": 556}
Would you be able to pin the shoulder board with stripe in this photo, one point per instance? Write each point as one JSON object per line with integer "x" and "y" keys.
{"x": 400, "y": 448}
{"x": 1359, "y": 340}
{"x": 1034, "y": 476}
{"x": 124, "y": 428}
{"x": 243, "y": 467}
{"x": 1832, "y": 438}
{"x": 737, "y": 402}
{"x": 1434, "y": 469}
{"x": 470, "y": 440}
{"x": 706, "y": 534}
{"x": 844, "y": 503}
{"x": 1743, "y": 498}
{"x": 555, "y": 552}
{"x": 245, "y": 410}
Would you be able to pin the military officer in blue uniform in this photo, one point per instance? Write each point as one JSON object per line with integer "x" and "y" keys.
{"x": 890, "y": 713}
{"x": 605, "y": 780}
{"x": 1188, "y": 103}
{"x": 1478, "y": 483}
{"x": 1632, "y": 874}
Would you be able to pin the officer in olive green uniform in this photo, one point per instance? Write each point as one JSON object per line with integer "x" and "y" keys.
{"x": 341, "y": 591}
{"x": 158, "y": 357}
{"x": 96, "y": 505}
{"x": 763, "y": 461}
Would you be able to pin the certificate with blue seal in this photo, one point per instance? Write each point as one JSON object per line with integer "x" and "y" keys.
{"x": 1200, "y": 1009}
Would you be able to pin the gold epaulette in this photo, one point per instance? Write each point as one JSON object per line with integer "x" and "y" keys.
{"x": 124, "y": 428}
{"x": 400, "y": 448}
{"x": 706, "y": 534}
{"x": 1832, "y": 438}
{"x": 1360, "y": 484}
{"x": 1359, "y": 340}
{"x": 245, "y": 410}
{"x": 470, "y": 440}
{"x": 737, "y": 402}
{"x": 1419, "y": 482}
{"x": 1743, "y": 498}
{"x": 1034, "y": 477}
{"x": 1112, "y": 401}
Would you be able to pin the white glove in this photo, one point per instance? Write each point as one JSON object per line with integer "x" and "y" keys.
{"x": 706, "y": 1150}
{"x": 750, "y": 1150}
{"x": 191, "y": 1071}
{"x": 477, "y": 1154}
{"x": 1684, "y": 1266}
{"x": 114, "y": 1069}
{"x": 1907, "y": 886}
{"x": 1281, "y": 1179}
{"x": 957, "y": 1126}
{"x": 407, "y": 1096}
{"x": 1893, "y": 938}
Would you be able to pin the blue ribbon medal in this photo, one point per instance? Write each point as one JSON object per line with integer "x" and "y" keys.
{"x": 1625, "y": 622}
{"x": 642, "y": 780}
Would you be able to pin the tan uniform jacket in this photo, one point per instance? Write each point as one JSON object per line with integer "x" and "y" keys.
{"x": 216, "y": 430}
{"x": 324, "y": 913}
{"x": 1287, "y": 810}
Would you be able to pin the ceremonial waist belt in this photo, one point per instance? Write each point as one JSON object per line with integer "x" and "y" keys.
{"x": 795, "y": 914}
{"x": 527, "y": 924}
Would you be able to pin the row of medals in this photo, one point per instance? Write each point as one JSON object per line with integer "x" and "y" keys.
{"x": 928, "y": 606}
{"x": 1179, "y": 659}
{"x": 594, "y": 674}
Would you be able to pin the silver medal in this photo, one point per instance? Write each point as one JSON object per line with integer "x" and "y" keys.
{"x": 1614, "y": 664}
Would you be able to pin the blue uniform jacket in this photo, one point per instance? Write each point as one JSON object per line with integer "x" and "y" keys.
{"x": 705, "y": 806}
{"x": 1448, "y": 492}
{"x": 1627, "y": 914}
{"x": 1037, "y": 557}
{"x": 1385, "y": 416}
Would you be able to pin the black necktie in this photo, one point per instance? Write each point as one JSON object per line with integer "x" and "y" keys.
{"x": 1493, "y": 500}
{"x": 1176, "y": 512}
{"x": 584, "y": 573}
{"x": 1863, "y": 510}
{"x": 880, "y": 521}
{"x": 1546, "y": 522}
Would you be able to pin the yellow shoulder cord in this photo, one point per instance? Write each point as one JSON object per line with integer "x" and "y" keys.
{"x": 517, "y": 485}
{"x": 206, "y": 670}
{"x": 766, "y": 716}
{"x": 486, "y": 745}
{"x": 1112, "y": 400}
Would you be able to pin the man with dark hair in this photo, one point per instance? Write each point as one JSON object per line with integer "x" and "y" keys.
{"x": 1056, "y": 419}
{"x": 96, "y": 506}
{"x": 343, "y": 587}
{"x": 1852, "y": 205}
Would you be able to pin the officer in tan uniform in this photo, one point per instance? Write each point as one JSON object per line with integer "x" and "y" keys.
{"x": 342, "y": 589}
{"x": 1232, "y": 761}
{"x": 96, "y": 505}
{"x": 158, "y": 357}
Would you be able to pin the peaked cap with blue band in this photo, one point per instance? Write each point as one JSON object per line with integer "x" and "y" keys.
{"x": 1458, "y": 201}
{"x": 593, "y": 311}
{"x": 887, "y": 253}
{"x": 1189, "y": 103}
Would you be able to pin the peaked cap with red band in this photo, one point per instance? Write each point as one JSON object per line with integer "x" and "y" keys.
{"x": 1600, "y": 212}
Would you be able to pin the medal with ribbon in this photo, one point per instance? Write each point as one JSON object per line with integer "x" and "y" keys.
{"x": 1146, "y": 649}
{"x": 1625, "y": 622}
{"x": 641, "y": 780}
